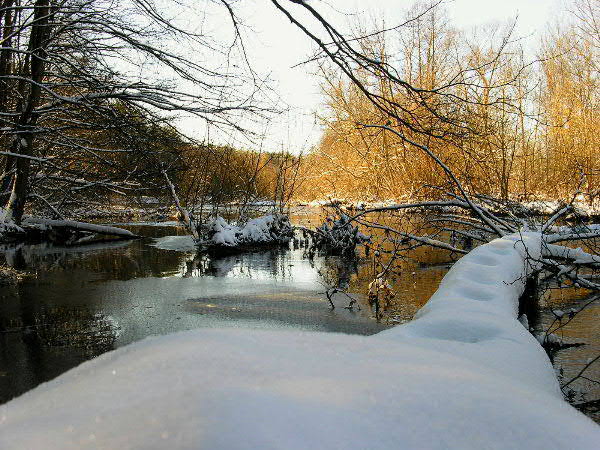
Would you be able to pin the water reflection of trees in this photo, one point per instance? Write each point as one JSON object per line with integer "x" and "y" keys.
{"x": 272, "y": 263}
{"x": 337, "y": 271}
{"x": 414, "y": 280}
{"x": 60, "y": 327}
{"x": 414, "y": 275}
{"x": 42, "y": 325}
{"x": 122, "y": 260}
{"x": 39, "y": 342}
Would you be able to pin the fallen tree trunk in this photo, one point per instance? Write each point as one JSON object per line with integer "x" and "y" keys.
{"x": 73, "y": 225}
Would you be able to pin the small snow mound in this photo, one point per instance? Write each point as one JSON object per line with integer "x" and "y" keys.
{"x": 271, "y": 229}
{"x": 175, "y": 243}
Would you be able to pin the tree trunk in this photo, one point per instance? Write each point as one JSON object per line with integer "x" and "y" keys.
{"x": 23, "y": 133}
{"x": 6, "y": 57}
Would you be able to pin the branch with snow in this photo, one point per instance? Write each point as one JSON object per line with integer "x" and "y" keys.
{"x": 273, "y": 229}
{"x": 80, "y": 226}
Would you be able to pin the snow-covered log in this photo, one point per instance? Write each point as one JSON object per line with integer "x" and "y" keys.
{"x": 80, "y": 226}
{"x": 578, "y": 233}
{"x": 573, "y": 255}
{"x": 465, "y": 374}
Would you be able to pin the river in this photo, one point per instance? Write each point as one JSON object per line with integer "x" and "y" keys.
{"x": 80, "y": 302}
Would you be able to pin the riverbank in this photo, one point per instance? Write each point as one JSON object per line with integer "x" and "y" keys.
{"x": 465, "y": 374}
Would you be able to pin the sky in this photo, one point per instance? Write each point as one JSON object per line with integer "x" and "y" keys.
{"x": 275, "y": 46}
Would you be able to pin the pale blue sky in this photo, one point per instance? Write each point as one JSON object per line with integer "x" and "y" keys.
{"x": 275, "y": 46}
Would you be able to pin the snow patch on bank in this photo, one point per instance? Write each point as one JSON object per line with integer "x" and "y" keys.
{"x": 464, "y": 374}
{"x": 175, "y": 243}
{"x": 7, "y": 226}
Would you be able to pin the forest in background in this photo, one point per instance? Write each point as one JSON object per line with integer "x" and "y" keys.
{"x": 79, "y": 131}
{"x": 510, "y": 124}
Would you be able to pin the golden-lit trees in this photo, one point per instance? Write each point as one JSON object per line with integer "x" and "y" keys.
{"x": 571, "y": 101}
{"x": 460, "y": 88}
{"x": 508, "y": 127}
{"x": 211, "y": 177}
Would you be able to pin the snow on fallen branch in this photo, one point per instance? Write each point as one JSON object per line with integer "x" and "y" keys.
{"x": 80, "y": 226}
{"x": 425, "y": 240}
{"x": 564, "y": 234}
{"x": 441, "y": 204}
{"x": 32, "y": 158}
{"x": 9, "y": 228}
{"x": 561, "y": 237}
{"x": 573, "y": 255}
{"x": 557, "y": 215}
{"x": 185, "y": 216}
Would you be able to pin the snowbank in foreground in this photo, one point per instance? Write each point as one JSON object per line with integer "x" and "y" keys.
{"x": 465, "y": 374}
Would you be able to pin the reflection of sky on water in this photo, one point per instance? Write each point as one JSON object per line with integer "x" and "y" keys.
{"x": 87, "y": 300}
{"x": 276, "y": 264}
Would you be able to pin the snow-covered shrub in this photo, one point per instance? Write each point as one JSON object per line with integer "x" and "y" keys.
{"x": 219, "y": 232}
{"x": 273, "y": 229}
{"x": 338, "y": 236}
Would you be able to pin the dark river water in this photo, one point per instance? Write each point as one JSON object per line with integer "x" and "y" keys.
{"x": 85, "y": 301}
{"x": 81, "y": 302}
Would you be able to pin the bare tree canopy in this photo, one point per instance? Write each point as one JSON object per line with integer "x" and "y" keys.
{"x": 85, "y": 84}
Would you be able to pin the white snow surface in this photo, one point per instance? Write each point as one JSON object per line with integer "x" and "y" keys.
{"x": 176, "y": 243}
{"x": 83, "y": 226}
{"x": 465, "y": 374}
{"x": 270, "y": 228}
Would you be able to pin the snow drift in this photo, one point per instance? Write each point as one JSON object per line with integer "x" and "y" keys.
{"x": 464, "y": 374}
{"x": 273, "y": 229}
